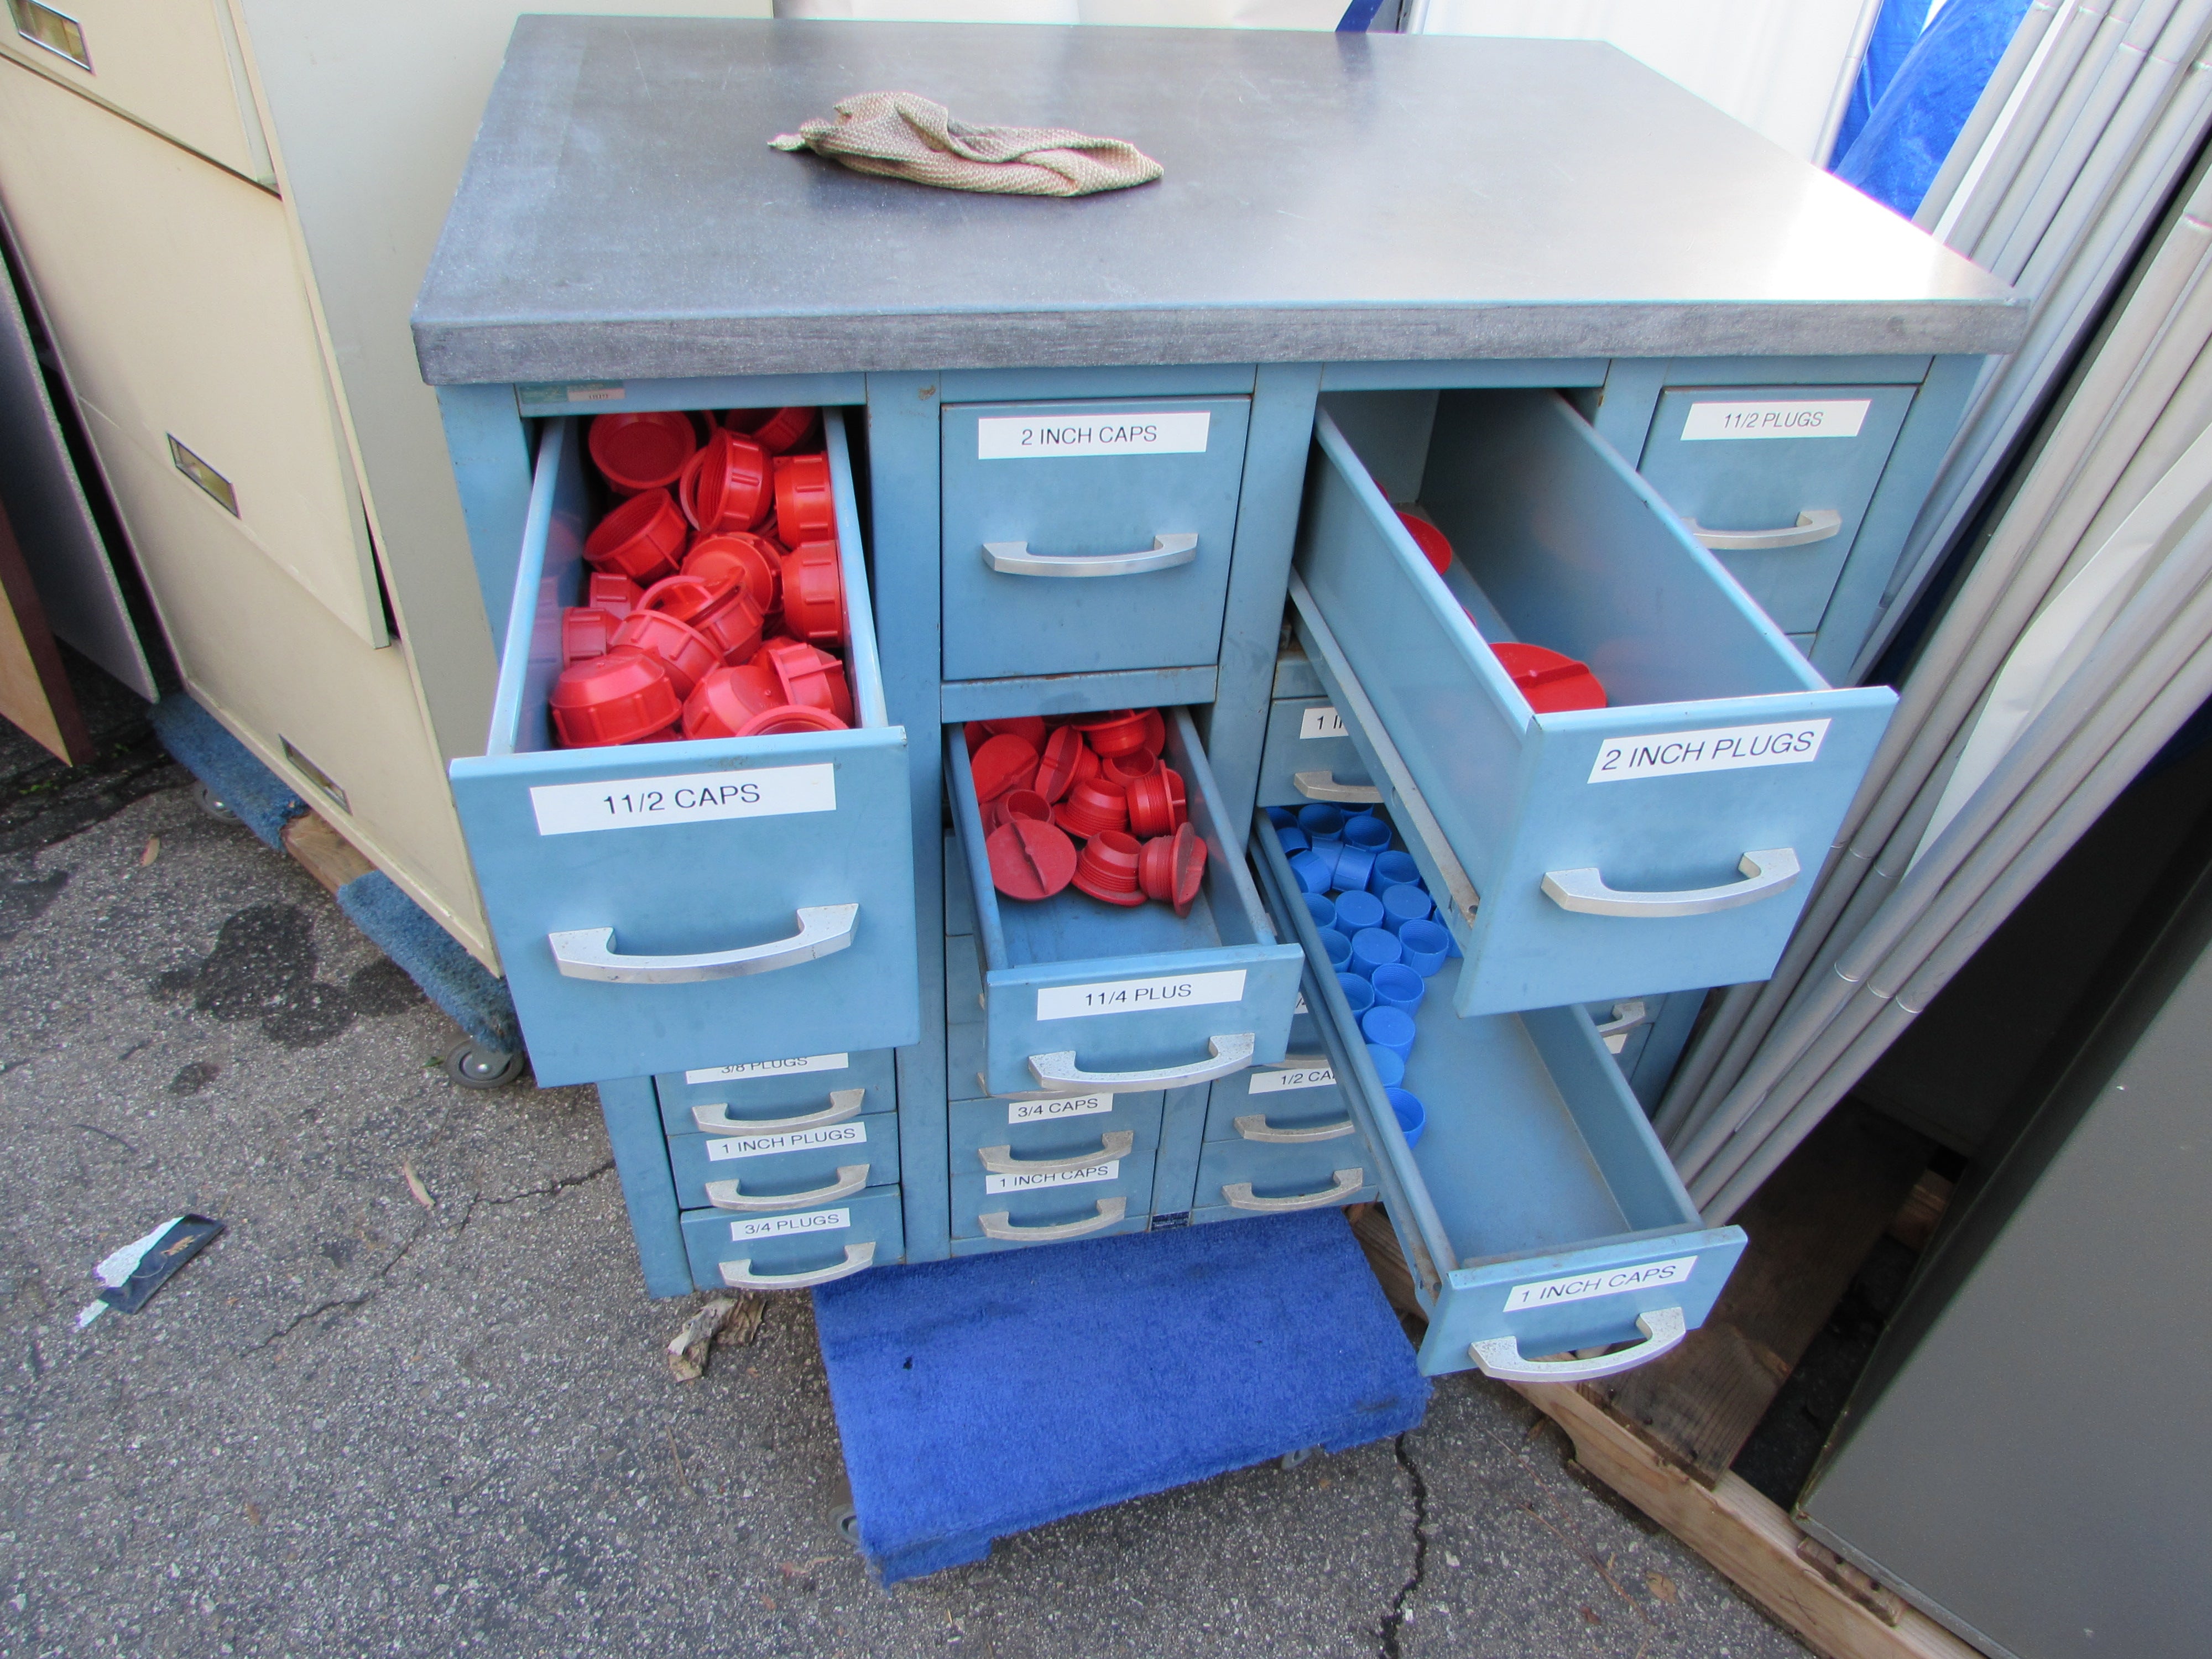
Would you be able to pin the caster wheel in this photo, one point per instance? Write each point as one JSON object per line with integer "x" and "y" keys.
{"x": 848, "y": 1527}
{"x": 212, "y": 804}
{"x": 475, "y": 1066}
{"x": 1291, "y": 1460}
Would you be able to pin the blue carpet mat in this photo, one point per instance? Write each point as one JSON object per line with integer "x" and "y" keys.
{"x": 449, "y": 976}
{"x": 263, "y": 801}
{"x": 983, "y": 1396}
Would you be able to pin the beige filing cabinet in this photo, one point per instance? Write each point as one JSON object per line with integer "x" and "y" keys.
{"x": 223, "y": 208}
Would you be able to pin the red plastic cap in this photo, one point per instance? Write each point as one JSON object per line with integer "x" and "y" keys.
{"x": 1156, "y": 803}
{"x": 1120, "y": 733}
{"x": 733, "y": 627}
{"x": 1156, "y": 731}
{"x": 803, "y": 509}
{"x": 1435, "y": 548}
{"x": 814, "y": 593}
{"x": 732, "y": 558}
{"x": 726, "y": 486}
{"x": 1092, "y": 809}
{"x": 1030, "y": 728}
{"x": 643, "y": 450}
{"x": 1029, "y": 859}
{"x": 1171, "y": 868}
{"x": 790, "y": 717}
{"x": 687, "y": 599}
{"x": 1126, "y": 769}
{"x": 812, "y": 678}
{"x": 1056, "y": 771}
{"x": 728, "y": 698}
{"x": 1004, "y": 763}
{"x": 621, "y": 698}
{"x": 1023, "y": 803}
{"x": 611, "y": 591}
{"x": 585, "y": 633}
{"x": 1552, "y": 681}
{"x": 642, "y": 539}
{"x": 1108, "y": 868}
{"x": 680, "y": 648}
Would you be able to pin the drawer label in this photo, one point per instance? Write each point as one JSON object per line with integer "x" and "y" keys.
{"x": 1322, "y": 722}
{"x": 766, "y": 792}
{"x": 791, "y": 1140}
{"x": 1028, "y": 1182}
{"x": 1139, "y": 996}
{"x": 785, "y": 1226}
{"x": 1026, "y": 437}
{"x": 758, "y": 1068}
{"x": 1722, "y": 749}
{"x": 1294, "y": 1077}
{"x": 1609, "y": 1281}
{"x": 1045, "y": 1111}
{"x": 536, "y": 393}
{"x": 1838, "y": 417}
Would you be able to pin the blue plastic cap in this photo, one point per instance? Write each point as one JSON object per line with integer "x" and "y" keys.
{"x": 1313, "y": 872}
{"x": 1367, "y": 832}
{"x": 1388, "y": 1028}
{"x": 1282, "y": 817}
{"x": 1355, "y": 910}
{"x": 1357, "y": 992}
{"x": 1322, "y": 823}
{"x": 1390, "y": 1065}
{"x": 1353, "y": 865}
{"x": 1402, "y": 903}
{"x": 1338, "y": 946}
{"x": 1399, "y": 985}
{"x": 1322, "y": 909}
{"x": 1425, "y": 946}
{"x": 1391, "y": 868}
{"x": 1291, "y": 839}
{"x": 1371, "y": 947}
{"x": 1413, "y": 1116}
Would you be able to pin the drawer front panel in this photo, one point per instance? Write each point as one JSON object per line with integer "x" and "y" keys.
{"x": 794, "y": 1164}
{"x": 796, "y": 1250}
{"x": 794, "y": 848}
{"x": 1712, "y": 456}
{"x": 1300, "y": 1097}
{"x": 1177, "y": 475}
{"x": 1248, "y": 1177}
{"x": 1309, "y": 757}
{"x": 1069, "y": 1126}
{"x": 1070, "y": 1202}
{"x": 774, "y": 1090}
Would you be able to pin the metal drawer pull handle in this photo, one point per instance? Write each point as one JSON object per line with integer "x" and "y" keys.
{"x": 714, "y": 1115}
{"x": 1323, "y": 786}
{"x": 1253, "y": 1126}
{"x": 1232, "y": 1054}
{"x": 1001, "y": 1160}
{"x": 1015, "y": 559}
{"x": 998, "y": 1225}
{"x": 724, "y": 1195}
{"x": 1500, "y": 1356}
{"x": 1348, "y": 1182}
{"x": 1767, "y": 872}
{"x": 739, "y": 1275}
{"x": 1626, "y": 1017}
{"x": 589, "y": 953}
{"x": 1815, "y": 525}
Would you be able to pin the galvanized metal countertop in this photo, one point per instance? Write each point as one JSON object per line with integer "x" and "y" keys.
{"x": 1328, "y": 197}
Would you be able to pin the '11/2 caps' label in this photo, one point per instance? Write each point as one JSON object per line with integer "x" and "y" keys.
{"x": 1606, "y": 1281}
{"x": 759, "y": 791}
{"x": 785, "y": 1226}
{"x": 1721, "y": 749}
{"x": 1030, "y": 437}
{"x": 1139, "y": 996}
{"x": 769, "y": 1068}
{"x": 1058, "y": 1106}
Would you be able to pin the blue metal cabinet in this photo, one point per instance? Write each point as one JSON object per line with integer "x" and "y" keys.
{"x": 1051, "y": 1127}
{"x": 759, "y": 1172}
{"x": 765, "y": 1096}
{"x": 1539, "y": 1212}
{"x": 794, "y": 1250}
{"x": 1081, "y": 996}
{"x": 1665, "y": 841}
{"x": 1006, "y": 1211}
{"x": 669, "y": 906}
{"x": 1776, "y": 481}
{"x": 1088, "y": 537}
{"x": 1309, "y": 757}
{"x": 1240, "y": 1178}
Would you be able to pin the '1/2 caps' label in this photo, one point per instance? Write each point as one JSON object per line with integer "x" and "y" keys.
{"x": 1059, "y": 1106}
{"x": 1294, "y": 1077}
{"x": 1139, "y": 996}
{"x": 1835, "y": 418}
{"x": 1721, "y": 749}
{"x": 786, "y": 1226}
{"x": 763, "y": 792}
{"x": 758, "y": 1068}
{"x": 1030, "y": 437}
{"x": 1606, "y": 1281}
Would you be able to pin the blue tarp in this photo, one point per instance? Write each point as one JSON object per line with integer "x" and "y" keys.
{"x": 1902, "y": 147}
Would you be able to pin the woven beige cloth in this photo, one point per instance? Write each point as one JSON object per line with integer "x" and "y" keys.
{"x": 900, "y": 135}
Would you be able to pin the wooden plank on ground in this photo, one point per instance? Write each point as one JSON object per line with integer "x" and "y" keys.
{"x": 1833, "y": 1608}
{"x": 35, "y": 694}
{"x": 326, "y": 855}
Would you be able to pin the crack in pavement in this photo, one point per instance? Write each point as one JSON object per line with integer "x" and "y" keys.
{"x": 1388, "y": 1635}
{"x": 566, "y": 1183}
{"x": 346, "y": 1303}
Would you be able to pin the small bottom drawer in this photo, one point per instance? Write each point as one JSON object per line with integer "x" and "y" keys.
{"x": 1298, "y": 1101}
{"x": 1050, "y": 1207}
{"x": 1309, "y": 758}
{"x": 1252, "y": 1177}
{"x": 793, "y": 1169}
{"x": 774, "y": 1094}
{"x": 797, "y": 1249}
{"x": 1051, "y": 1129}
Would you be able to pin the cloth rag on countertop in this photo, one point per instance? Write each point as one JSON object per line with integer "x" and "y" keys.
{"x": 899, "y": 135}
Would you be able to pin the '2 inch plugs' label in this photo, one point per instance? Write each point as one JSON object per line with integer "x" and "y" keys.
{"x": 1721, "y": 748}
{"x": 1029, "y": 437}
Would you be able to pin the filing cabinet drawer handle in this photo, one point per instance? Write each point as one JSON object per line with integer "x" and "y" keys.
{"x": 1766, "y": 871}
{"x": 1500, "y": 1356}
{"x": 999, "y": 1225}
{"x": 1253, "y": 1126}
{"x": 1348, "y": 1182}
{"x": 1323, "y": 786}
{"x": 1232, "y": 1054}
{"x": 1626, "y": 1017}
{"x": 724, "y": 1195}
{"x": 739, "y": 1275}
{"x": 589, "y": 953}
{"x": 1001, "y": 1160}
{"x": 714, "y": 1117}
{"x": 1015, "y": 559}
{"x": 1815, "y": 524}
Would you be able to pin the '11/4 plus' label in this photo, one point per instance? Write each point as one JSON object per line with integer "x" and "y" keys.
{"x": 762, "y": 792}
{"x": 1029, "y": 437}
{"x": 1139, "y": 996}
{"x": 1045, "y": 1111}
{"x": 786, "y": 1226}
{"x": 1721, "y": 749}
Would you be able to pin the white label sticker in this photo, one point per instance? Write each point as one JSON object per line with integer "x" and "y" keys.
{"x": 1026, "y": 437}
{"x": 569, "y": 809}
{"x": 1110, "y": 1170}
{"x": 1722, "y": 749}
{"x": 1139, "y": 996}
{"x": 1298, "y": 1076}
{"x": 1840, "y": 418}
{"x": 1322, "y": 722}
{"x": 769, "y": 1068}
{"x": 1607, "y": 1281}
{"x": 784, "y": 1226}
{"x": 1301, "y": 1008}
{"x": 791, "y": 1140}
{"x": 1045, "y": 1111}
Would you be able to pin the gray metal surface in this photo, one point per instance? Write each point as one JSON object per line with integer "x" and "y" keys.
{"x": 1328, "y": 198}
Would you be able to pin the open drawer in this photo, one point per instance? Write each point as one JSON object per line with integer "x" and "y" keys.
{"x": 1668, "y": 840}
{"x": 1080, "y": 996}
{"x": 667, "y": 907}
{"x": 1539, "y": 1213}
